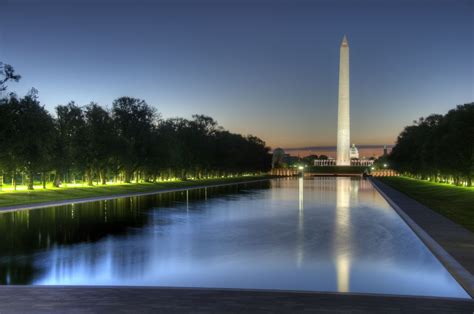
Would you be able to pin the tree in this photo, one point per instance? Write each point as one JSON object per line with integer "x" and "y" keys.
{"x": 134, "y": 121}
{"x": 309, "y": 160}
{"x": 34, "y": 130}
{"x": 102, "y": 141}
{"x": 438, "y": 147}
{"x": 68, "y": 146}
{"x": 7, "y": 73}
{"x": 8, "y": 137}
{"x": 455, "y": 144}
{"x": 130, "y": 141}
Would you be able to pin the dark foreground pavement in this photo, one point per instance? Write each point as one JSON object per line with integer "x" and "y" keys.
{"x": 43, "y": 299}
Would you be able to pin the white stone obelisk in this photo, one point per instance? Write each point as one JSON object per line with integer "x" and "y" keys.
{"x": 343, "y": 118}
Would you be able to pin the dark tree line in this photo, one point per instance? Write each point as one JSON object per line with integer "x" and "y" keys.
{"x": 127, "y": 143}
{"x": 438, "y": 148}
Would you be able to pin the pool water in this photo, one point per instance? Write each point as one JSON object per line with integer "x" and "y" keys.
{"x": 315, "y": 234}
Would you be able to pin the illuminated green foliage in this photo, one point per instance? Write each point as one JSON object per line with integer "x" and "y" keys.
{"x": 92, "y": 145}
{"x": 438, "y": 148}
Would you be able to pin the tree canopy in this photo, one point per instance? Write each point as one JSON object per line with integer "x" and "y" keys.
{"x": 128, "y": 142}
{"x": 7, "y": 73}
{"x": 439, "y": 147}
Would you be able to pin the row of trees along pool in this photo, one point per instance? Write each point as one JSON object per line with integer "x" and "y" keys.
{"x": 439, "y": 148}
{"x": 127, "y": 143}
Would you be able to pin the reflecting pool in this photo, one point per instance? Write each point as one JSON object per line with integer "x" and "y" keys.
{"x": 315, "y": 234}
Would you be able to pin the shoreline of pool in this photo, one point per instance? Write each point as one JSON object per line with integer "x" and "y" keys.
{"x": 403, "y": 205}
{"x": 32, "y": 206}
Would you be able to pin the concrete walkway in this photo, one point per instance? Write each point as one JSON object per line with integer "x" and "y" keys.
{"x": 42, "y": 299}
{"x": 453, "y": 244}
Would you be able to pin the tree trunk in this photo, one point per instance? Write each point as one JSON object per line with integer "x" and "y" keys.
{"x": 14, "y": 180}
{"x": 103, "y": 177}
{"x": 30, "y": 181}
{"x": 89, "y": 177}
{"x": 128, "y": 176}
{"x": 44, "y": 180}
{"x": 57, "y": 179}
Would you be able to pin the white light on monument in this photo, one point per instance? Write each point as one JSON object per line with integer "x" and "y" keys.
{"x": 343, "y": 118}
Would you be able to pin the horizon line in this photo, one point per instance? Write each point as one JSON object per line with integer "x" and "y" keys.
{"x": 334, "y": 147}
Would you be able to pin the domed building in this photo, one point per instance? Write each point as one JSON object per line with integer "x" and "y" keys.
{"x": 354, "y": 152}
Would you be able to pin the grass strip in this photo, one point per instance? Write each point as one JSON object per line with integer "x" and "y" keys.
{"x": 453, "y": 202}
{"x": 12, "y": 198}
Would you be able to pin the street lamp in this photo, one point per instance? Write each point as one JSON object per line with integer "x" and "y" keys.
{"x": 301, "y": 171}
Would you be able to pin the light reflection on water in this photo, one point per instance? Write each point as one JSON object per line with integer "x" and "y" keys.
{"x": 344, "y": 192}
{"x": 320, "y": 234}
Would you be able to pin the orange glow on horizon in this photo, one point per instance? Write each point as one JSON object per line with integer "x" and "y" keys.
{"x": 363, "y": 152}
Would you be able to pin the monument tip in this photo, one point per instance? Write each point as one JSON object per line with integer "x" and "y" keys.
{"x": 344, "y": 41}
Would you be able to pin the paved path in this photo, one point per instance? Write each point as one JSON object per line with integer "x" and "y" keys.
{"x": 455, "y": 240}
{"x": 114, "y": 196}
{"x": 21, "y": 299}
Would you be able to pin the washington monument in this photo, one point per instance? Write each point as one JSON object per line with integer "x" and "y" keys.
{"x": 343, "y": 120}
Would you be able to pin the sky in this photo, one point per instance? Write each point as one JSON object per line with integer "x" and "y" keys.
{"x": 267, "y": 68}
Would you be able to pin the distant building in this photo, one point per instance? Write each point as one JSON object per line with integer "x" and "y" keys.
{"x": 280, "y": 159}
{"x": 355, "y": 160}
{"x": 362, "y": 162}
{"x": 328, "y": 161}
{"x": 277, "y": 158}
{"x": 354, "y": 152}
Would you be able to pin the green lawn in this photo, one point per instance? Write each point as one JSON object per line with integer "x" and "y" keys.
{"x": 454, "y": 202}
{"x": 9, "y": 198}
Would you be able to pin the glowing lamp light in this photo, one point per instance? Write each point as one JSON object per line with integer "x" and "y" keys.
{"x": 385, "y": 165}
{"x": 300, "y": 167}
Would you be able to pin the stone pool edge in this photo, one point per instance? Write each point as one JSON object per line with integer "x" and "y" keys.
{"x": 460, "y": 274}
{"x": 32, "y": 206}
{"x": 131, "y": 299}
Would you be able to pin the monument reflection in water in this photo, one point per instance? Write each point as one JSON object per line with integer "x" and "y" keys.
{"x": 343, "y": 195}
{"x": 318, "y": 234}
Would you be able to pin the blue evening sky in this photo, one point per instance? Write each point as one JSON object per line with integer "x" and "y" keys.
{"x": 269, "y": 68}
